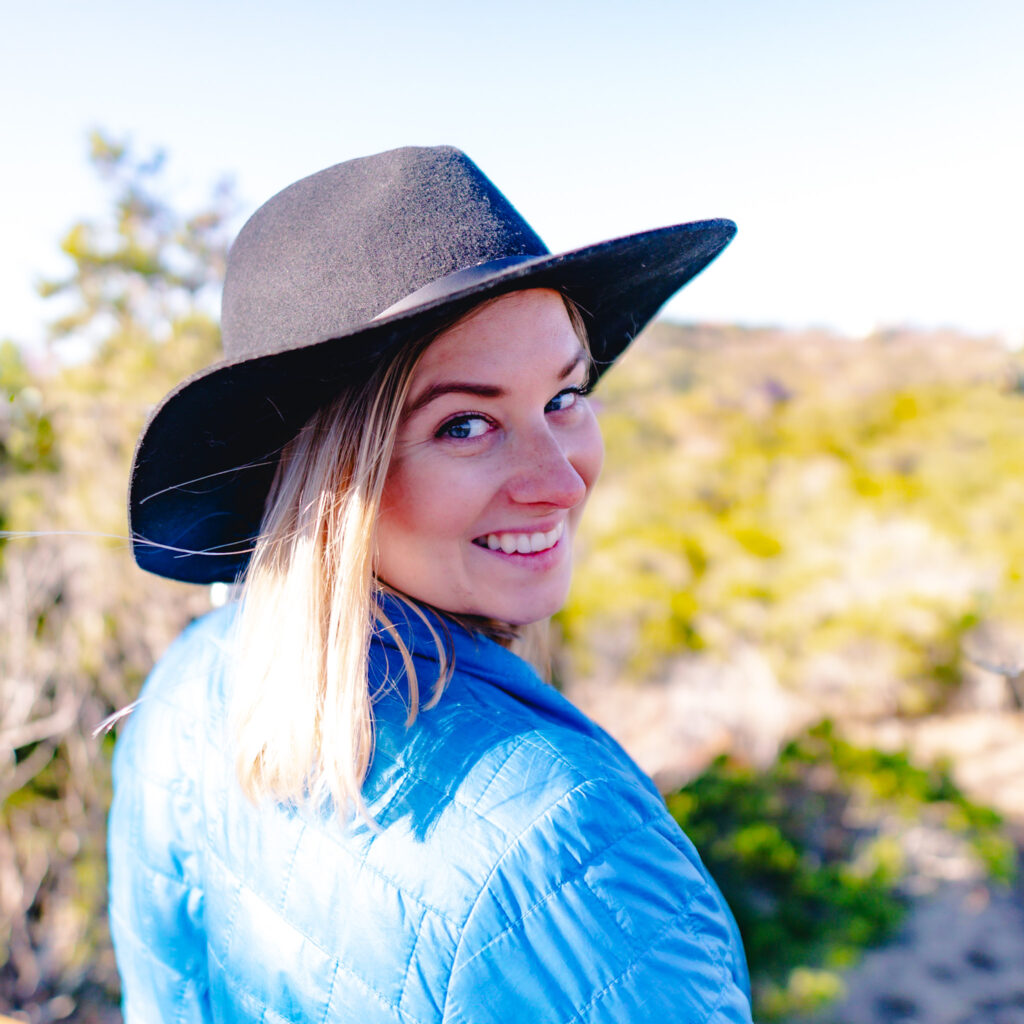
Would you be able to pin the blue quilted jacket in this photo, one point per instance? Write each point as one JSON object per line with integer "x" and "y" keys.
{"x": 525, "y": 869}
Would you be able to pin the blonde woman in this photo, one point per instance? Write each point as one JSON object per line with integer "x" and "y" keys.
{"x": 349, "y": 796}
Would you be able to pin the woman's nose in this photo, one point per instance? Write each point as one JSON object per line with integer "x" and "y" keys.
{"x": 548, "y": 472}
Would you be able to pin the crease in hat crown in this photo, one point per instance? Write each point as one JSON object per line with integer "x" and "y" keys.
{"x": 335, "y": 272}
{"x": 332, "y": 251}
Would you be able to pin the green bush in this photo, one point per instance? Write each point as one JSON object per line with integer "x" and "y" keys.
{"x": 809, "y": 854}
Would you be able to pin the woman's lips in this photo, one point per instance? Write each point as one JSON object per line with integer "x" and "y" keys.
{"x": 521, "y": 543}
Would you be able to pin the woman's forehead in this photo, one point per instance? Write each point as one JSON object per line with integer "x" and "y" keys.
{"x": 503, "y": 334}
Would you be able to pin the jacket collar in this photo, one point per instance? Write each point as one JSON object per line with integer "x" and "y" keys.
{"x": 478, "y": 662}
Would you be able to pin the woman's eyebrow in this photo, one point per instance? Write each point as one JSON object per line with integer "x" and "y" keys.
{"x": 455, "y": 387}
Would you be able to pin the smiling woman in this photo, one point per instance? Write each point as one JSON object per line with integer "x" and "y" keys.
{"x": 496, "y": 452}
{"x": 392, "y": 462}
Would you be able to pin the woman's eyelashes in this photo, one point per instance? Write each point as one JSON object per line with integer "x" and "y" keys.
{"x": 567, "y": 398}
{"x": 468, "y": 426}
{"x": 464, "y": 427}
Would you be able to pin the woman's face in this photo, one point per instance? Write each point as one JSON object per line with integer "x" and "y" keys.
{"x": 496, "y": 453}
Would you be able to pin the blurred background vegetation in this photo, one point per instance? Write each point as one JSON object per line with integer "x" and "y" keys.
{"x": 794, "y": 530}
{"x": 81, "y": 628}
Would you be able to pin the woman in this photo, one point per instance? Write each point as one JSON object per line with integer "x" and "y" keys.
{"x": 347, "y": 798}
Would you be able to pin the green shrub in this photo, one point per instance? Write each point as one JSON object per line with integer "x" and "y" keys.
{"x": 809, "y": 854}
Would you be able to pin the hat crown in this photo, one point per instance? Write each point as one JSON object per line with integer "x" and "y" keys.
{"x": 326, "y": 255}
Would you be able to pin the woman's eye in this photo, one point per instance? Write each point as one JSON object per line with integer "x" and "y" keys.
{"x": 564, "y": 400}
{"x": 464, "y": 428}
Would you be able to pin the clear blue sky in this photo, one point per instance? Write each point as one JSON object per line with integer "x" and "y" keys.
{"x": 871, "y": 152}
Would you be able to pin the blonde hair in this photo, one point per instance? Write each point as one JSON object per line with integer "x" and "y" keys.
{"x": 302, "y": 709}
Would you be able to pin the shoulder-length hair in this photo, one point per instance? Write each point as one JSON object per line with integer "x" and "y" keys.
{"x": 302, "y": 710}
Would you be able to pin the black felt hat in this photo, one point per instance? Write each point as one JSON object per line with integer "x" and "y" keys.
{"x": 333, "y": 273}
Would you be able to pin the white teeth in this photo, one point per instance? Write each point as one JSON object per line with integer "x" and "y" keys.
{"x": 524, "y": 543}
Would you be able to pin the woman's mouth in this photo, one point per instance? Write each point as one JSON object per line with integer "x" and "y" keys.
{"x": 522, "y": 543}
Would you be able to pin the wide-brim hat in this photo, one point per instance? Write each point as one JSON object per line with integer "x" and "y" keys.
{"x": 334, "y": 273}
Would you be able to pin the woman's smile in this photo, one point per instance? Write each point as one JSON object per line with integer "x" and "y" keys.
{"x": 496, "y": 453}
{"x": 511, "y": 543}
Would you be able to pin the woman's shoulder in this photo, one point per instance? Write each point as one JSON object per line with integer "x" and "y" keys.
{"x": 499, "y": 742}
{"x": 541, "y": 791}
{"x": 601, "y": 910}
{"x": 590, "y": 896}
{"x": 564, "y": 845}
{"x": 525, "y": 780}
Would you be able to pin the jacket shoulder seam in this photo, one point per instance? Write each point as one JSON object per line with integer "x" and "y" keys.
{"x": 682, "y": 913}
{"x": 485, "y": 886}
{"x": 581, "y": 867}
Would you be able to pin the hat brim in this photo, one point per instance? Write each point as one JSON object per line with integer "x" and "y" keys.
{"x": 205, "y": 460}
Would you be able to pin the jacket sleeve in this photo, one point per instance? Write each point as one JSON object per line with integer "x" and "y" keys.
{"x": 156, "y": 900}
{"x": 600, "y": 911}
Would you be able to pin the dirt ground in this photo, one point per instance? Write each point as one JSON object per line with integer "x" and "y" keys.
{"x": 959, "y": 959}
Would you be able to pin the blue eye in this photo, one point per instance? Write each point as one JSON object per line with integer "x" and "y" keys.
{"x": 464, "y": 428}
{"x": 565, "y": 400}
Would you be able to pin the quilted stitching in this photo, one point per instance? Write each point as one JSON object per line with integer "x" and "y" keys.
{"x": 631, "y": 968}
{"x": 433, "y": 885}
{"x": 570, "y": 879}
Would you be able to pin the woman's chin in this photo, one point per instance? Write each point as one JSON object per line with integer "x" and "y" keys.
{"x": 521, "y": 610}
{"x": 510, "y": 601}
